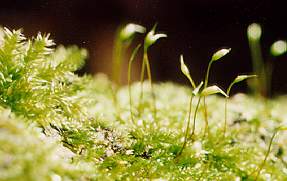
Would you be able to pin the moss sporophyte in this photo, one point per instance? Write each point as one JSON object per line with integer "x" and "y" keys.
{"x": 215, "y": 57}
{"x": 123, "y": 39}
{"x": 238, "y": 79}
{"x": 90, "y": 128}
{"x": 150, "y": 39}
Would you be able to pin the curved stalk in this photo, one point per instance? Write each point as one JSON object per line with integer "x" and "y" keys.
{"x": 150, "y": 82}
{"x": 129, "y": 80}
{"x": 187, "y": 126}
{"x": 238, "y": 79}
{"x": 194, "y": 118}
{"x": 130, "y": 101}
{"x": 206, "y": 129}
{"x": 225, "y": 117}
{"x": 225, "y": 108}
{"x": 142, "y": 80}
{"x": 150, "y": 39}
{"x": 117, "y": 59}
{"x": 216, "y": 56}
{"x": 207, "y": 74}
{"x": 266, "y": 156}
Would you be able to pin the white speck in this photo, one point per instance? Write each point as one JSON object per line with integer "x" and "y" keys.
{"x": 109, "y": 153}
{"x": 268, "y": 177}
{"x": 197, "y": 146}
{"x": 100, "y": 137}
{"x": 197, "y": 166}
{"x": 129, "y": 152}
{"x": 182, "y": 139}
{"x": 140, "y": 122}
{"x": 56, "y": 177}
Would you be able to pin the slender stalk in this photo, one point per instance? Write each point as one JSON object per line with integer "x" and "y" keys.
{"x": 129, "y": 79}
{"x": 225, "y": 117}
{"x": 256, "y": 55}
{"x": 142, "y": 80}
{"x": 187, "y": 126}
{"x": 268, "y": 74}
{"x": 123, "y": 39}
{"x": 151, "y": 84}
{"x": 115, "y": 100}
{"x": 207, "y": 74}
{"x": 194, "y": 118}
{"x": 117, "y": 56}
{"x": 130, "y": 100}
{"x": 116, "y": 71}
{"x": 225, "y": 109}
{"x": 206, "y": 129}
{"x": 238, "y": 79}
{"x": 150, "y": 39}
{"x": 266, "y": 155}
{"x": 117, "y": 59}
{"x": 260, "y": 87}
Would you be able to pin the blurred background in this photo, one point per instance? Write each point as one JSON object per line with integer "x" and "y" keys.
{"x": 195, "y": 28}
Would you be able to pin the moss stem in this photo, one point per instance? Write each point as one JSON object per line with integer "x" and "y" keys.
{"x": 151, "y": 84}
{"x": 206, "y": 129}
{"x": 266, "y": 156}
{"x": 194, "y": 118}
{"x": 187, "y": 126}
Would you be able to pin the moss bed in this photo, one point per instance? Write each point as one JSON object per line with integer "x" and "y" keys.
{"x": 56, "y": 125}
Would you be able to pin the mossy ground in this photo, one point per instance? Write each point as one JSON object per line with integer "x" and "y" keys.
{"x": 55, "y": 125}
{"x": 110, "y": 146}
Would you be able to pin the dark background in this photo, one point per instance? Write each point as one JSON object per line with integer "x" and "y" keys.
{"x": 195, "y": 28}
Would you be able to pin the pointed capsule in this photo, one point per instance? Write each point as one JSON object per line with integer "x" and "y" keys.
{"x": 240, "y": 78}
{"x": 185, "y": 71}
{"x": 213, "y": 90}
{"x": 151, "y": 37}
{"x": 183, "y": 67}
{"x": 220, "y": 53}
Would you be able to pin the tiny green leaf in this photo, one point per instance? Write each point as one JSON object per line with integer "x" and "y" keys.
{"x": 197, "y": 89}
{"x": 213, "y": 90}
{"x": 278, "y": 48}
{"x": 185, "y": 71}
{"x": 254, "y": 32}
{"x": 129, "y": 30}
{"x": 220, "y": 53}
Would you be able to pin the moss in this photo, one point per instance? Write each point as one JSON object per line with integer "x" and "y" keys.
{"x": 63, "y": 126}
